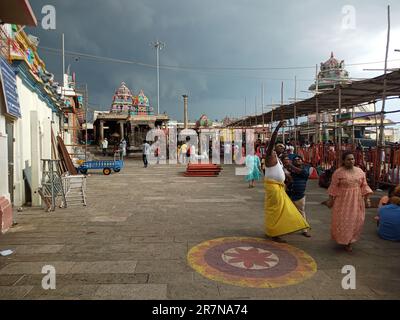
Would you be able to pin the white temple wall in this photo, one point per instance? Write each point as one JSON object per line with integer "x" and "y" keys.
{"x": 33, "y": 142}
{"x": 3, "y": 156}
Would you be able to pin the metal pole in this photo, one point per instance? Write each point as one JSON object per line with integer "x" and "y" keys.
{"x": 376, "y": 125}
{"x": 158, "y": 82}
{"x": 340, "y": 121}
{"x": 272, "y": 114}
{"x": 295, "y": 114}
{"x": 255, "y": 108}
{"x": 262, "y": 109}
{"x": 53, "y": 196}
{"x": 86, "y": 120}
{"x": 283, "y": 129}
{"x": 382, "y": 127}
{"x": 245, "y": 111}
{"x": 352, "y": 129}
{"x": 158, "y": 45}
{"x": 317, "y": 127}
{"x": 63, "y": 61}
{"x": 335, "y": 115}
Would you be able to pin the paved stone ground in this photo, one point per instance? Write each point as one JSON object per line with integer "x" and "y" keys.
{"x": 132, "y": 239}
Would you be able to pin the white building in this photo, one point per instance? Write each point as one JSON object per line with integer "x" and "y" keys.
{"x": 29, "y": 110}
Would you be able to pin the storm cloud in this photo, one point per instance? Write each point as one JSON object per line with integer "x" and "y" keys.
{"x": 221, "y": 48}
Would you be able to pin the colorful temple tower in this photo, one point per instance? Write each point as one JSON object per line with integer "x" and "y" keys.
{"x": 332, "y": 72}
{"x": 141, "y": 105}
{"x": 130, "y": 118}
{"x": 204, "y": 122}
{"x": 122, "y": 100}
{"x": 125, "y": 102}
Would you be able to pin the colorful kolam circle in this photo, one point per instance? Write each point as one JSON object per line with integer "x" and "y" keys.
{"x": 251, "y": 262}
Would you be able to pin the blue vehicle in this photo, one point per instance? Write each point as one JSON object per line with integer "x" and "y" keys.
{"x": 106, "y": 165}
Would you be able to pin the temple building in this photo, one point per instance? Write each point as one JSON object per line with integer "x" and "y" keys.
{"x": 204, "y": 122}
{"x": 130, "y": 117}
{"x": 332, "y": 72}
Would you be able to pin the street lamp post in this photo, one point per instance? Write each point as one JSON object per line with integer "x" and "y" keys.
{"x": 158, "y": 45}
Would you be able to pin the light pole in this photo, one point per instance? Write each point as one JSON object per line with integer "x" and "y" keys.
{"x": 158, "y": 45}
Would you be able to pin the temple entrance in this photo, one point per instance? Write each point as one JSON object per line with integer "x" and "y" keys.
{"x": 130, "y": 117}
{"x": 137, "y": 135}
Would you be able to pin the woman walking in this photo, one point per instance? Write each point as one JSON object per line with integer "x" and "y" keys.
{"x": 281, "y": 215}
{"x": 253, "y": 166}
{"x": 348, "y": 193}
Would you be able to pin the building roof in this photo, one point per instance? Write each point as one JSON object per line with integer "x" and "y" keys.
{"x": 17, "y": 12}
{"x": 124, "y": 116}
{"x": 353, "y": 94}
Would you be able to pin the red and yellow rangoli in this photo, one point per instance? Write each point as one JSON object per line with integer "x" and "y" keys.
{"x": 251, "y": 262}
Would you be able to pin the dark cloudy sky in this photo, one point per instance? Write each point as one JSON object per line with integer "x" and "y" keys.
{"x": 215, "y": 38}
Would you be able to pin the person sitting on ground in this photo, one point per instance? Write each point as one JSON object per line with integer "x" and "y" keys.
{"x": 389, "y": 220}
{"x": 386, "y": 199}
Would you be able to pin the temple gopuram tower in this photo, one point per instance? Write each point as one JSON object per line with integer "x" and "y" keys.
{"x": 130, "y": 117}
{"x": 122, "y": 100}
{"x": 141, "y": 105}
{"x": 332, "y": 72}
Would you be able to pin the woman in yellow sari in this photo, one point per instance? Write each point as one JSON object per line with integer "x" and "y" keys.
{"x": 281, "y": 215}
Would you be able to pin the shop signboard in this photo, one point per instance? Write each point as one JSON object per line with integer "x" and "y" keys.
{"x": 9, "y": 87}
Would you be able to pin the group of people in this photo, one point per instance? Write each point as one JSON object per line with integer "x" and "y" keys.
{"x": 285, "y": 181}
{"x": 186, "y": 152}
{"x": 119, "y": 148}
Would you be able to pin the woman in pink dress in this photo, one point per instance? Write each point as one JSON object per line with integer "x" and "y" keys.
{"x": 348, "y": 194}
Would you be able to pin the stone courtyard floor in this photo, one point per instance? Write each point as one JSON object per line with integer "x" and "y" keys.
{"x": 133, "y": 238}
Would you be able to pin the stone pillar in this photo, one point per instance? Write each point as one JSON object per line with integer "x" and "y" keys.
{"x": 132, "y": 138}
{"x": 121, "y": 129}
{"x": 101, "y": 130}
{"x": 185, "y": 111}
{"x": 35, "y": 158}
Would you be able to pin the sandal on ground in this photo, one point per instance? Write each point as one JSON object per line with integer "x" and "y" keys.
{"x": 306, "y": 234}
{"x": 348, "y": 248}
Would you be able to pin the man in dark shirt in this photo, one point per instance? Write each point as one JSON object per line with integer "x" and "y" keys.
{"x": 389, "y": 220}
{"x": 296, "y": 191}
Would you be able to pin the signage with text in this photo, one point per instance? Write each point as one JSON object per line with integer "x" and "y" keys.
{"x": 9, "y": 86}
